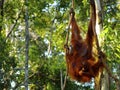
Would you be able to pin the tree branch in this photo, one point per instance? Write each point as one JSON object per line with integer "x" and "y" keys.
{"x": 13, "y": 26}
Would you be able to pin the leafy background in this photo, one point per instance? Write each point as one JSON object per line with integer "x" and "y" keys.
{"x": 48, "y": 20}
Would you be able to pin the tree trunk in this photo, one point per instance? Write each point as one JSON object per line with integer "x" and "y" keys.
{"x": 118, "y": 84}
{"x": 105, "y": 81}
{"x": 102, "y": 80}
{"x": 27, "y": 45}
{"x": 61, "y": 79}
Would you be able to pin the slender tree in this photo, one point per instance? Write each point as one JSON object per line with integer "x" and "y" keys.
{"x": 26, "y": 44}
{"x": 100, "y": 83}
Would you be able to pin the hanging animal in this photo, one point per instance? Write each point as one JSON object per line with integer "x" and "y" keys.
{"x": 82, "y": 65}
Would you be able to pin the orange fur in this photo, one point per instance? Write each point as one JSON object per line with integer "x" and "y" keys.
{"x": 82, "y": 65}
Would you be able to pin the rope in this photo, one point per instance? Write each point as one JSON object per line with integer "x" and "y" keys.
{"x": 68, "y": 30}
{"x": 72, "y": 13}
